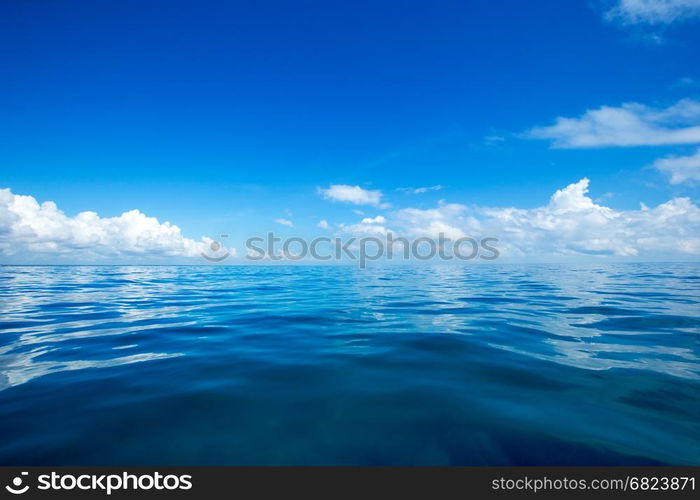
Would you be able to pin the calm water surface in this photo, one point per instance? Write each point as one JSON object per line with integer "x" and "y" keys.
{"x": 494, "y": 365}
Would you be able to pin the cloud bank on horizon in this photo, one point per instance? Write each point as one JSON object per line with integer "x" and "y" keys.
{"x": 570, "y": 225}
{"x": 30, "y": 230}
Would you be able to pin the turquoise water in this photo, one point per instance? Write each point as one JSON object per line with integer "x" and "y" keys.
{"x": 475, "y": 365}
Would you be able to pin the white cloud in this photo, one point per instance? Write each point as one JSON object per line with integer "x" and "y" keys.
{"x": 367, "y": 226}
{"x": 681, "y": 168}
{"x": 420, "y": 190}
{"x": 284, "y": 222}
{"x": 631, "y": 124}
{"x": 352, "y": 194}
{"x": 653, "y": 11}
{"x": 448, "y": 218}
{"x": 379, "y": 219}
{"x": 28, "y": 228}
{"x": 323, "y": 224}
{"x": 570, "y": 225}
{"x": 572, "y": 198}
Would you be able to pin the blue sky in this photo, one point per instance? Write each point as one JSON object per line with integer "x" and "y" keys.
{"x": 223, "y": 117}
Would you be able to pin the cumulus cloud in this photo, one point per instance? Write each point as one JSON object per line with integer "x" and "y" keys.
{"x": 352, "y": 194}
{"x": 28, "y": 227}
{"x": 653, "y": 12}
{"x": 680, "y": 168}
{"x": 323, "y": 224}
{"x": 367, "y": 226}
{"x": 379, "y": 219}
{"x": 571, "y": 224}
{"x": 450, "y": 219}
{"x": 631, "y": 124}
{"x": 284, "y": 222}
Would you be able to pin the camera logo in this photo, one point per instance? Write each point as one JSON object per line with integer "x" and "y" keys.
{"x": 16, "y": 488}
{"x": 215, "y": 247}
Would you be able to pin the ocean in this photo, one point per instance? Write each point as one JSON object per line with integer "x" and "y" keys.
{"x": 502, "y": 364}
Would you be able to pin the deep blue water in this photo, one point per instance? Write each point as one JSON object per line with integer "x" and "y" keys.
{"x": 475, "y": 365}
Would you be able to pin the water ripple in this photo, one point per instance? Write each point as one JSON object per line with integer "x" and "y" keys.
{"x": 503, "y": 364}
